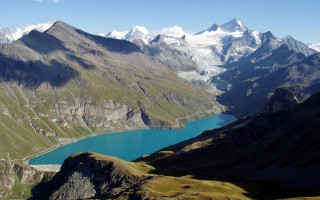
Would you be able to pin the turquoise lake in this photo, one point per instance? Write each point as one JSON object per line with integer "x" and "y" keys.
{"x": 129, "y": 145}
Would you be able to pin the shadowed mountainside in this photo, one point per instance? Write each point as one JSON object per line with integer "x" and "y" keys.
{"x": 249, "y": 82}
{"x": 65, "y": 83}
{"x": 91, "y": 175}
{"x": 279, "y": 150}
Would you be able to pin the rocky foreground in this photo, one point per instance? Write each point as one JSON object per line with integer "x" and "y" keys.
{"x": 95, "y": 176}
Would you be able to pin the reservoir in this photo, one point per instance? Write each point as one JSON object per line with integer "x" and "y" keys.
{"x": 129, "y": 145}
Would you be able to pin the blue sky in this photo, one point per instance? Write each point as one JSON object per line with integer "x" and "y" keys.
{"x": 298, "y": 18}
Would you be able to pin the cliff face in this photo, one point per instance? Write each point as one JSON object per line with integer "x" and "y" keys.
{"x": 7, "y": 179}
{"x": 87, "y": 176}
{"x": 17, "y": 180}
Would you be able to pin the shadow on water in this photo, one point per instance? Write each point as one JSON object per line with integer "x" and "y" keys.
{"x": 225, "y": 119}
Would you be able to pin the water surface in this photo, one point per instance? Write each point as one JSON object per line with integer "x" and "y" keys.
{"x": 129, "y": 145}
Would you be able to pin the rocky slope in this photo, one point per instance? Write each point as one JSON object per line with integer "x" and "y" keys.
{"x": 94, "y": 176}
{"x": 277, "y": 150}
{"x": 65, "y": 83}
{"x": 16, "y": 180}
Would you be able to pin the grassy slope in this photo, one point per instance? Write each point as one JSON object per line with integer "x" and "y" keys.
{"x": 160, "y": 187}
{"x": 58, "y": 111}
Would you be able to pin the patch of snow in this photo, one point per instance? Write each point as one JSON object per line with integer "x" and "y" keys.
{"x": 257, "y": 36}
{"x": 117, "y": 34}
{"x": 170, "y": 40}
{"x": 315, "y": 47}
{"x": 175, "y": 31}
{"x": 205, "y": 75}
{"x": 189, "y": 75}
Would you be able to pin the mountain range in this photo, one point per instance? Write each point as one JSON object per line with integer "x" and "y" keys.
{"x": 241, "y": 67}
{"x": 59, "y": 83}
{"x": 65, "y": 83}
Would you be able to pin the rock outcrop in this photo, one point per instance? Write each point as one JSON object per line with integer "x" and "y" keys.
{"x": 17, "y": 179}
{"x": 282, "y": 99}
{"x": 88, "y": 176}
{"x": 7, "y": 179}
{"x": 95, "y": 176}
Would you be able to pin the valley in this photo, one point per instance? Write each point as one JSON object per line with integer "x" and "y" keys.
{"x": 225, "y": 113}
{"x": 72, "y": 95}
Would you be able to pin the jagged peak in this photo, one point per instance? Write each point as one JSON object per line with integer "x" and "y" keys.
{"x": 215, "y": 27}
{"x": 158, "y": 38}
{"x": 297, "y": 46}
{"x": 234, "y": 25}
{"x": 60, "y": 25}
{"x": 288, "y": 37}
{"x": 141, "y": 29}
{"x": 268, "y": 36}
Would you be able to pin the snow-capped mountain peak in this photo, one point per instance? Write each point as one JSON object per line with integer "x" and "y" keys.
{"x": 8, "y": 35}
{"x": 135, "y": 33}
{"x": 141, "y": 29}
{"x": 175, "y": 31}
{"x": 138, "y": 33}
{"x": 234, "y": 25}
{"x": 116, "y": 34}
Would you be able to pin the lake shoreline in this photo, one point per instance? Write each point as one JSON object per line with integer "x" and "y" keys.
{"x": 176, "y": 126}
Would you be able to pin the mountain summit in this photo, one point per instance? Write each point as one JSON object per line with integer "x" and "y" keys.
{"x": 135, "y": 33}
{"x": 138, "y": 33}
{"x": 234, "y": 25}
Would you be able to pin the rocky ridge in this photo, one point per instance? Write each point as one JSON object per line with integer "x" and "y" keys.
{"x": 91, "y": 175}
